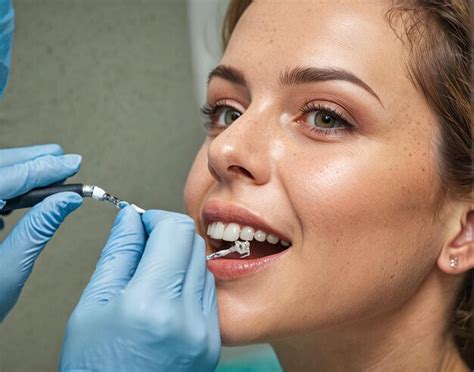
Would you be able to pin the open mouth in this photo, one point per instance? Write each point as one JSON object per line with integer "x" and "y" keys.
{"x": 223, "y": 236}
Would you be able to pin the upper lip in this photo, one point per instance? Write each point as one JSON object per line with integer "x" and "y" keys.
{"x": 219, "y": 210}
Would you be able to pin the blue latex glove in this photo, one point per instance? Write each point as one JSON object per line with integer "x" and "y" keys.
{"x": 149, "y": 306}
{"x": 7, "y": 26}
{"x": 22, "y": 169}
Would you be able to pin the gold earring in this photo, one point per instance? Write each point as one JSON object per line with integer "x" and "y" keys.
{"x": 453, "y": 261}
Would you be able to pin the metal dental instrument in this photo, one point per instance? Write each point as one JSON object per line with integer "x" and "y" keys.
{"x": 240, "y": 247}
{"x": 36, "y": 196}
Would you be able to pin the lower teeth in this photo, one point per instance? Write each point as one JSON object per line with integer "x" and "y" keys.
{"x": 259, "y": 250}
{"x": 241, "y": 248}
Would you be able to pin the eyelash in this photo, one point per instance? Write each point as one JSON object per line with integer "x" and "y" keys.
{"x": 209, "y": 111}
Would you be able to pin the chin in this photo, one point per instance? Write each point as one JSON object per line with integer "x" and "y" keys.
{"x": 240, "y": 326}
{"x": 239, "y": 335}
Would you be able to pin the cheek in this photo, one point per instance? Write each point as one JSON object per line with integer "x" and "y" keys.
{"x": 198, "y": 183}
{"x": 379, "y": 189}
{"x": 367, "y": 227}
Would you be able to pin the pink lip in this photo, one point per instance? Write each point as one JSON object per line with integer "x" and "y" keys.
{"x": 228, "y": 269}
{"x": 218, "y": 210}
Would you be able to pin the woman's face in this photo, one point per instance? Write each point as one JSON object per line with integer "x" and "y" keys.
{"x": 355, "y": 195}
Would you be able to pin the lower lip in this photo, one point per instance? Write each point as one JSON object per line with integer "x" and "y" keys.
{"x": 229, "y": 269}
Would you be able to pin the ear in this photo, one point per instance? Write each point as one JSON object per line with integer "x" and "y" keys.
{"x": 457, "y": 256}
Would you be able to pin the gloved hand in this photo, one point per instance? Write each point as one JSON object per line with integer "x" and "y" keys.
{"x": 7, "y": 26}
{"x": 148, "y": 307}
{"x": 22, "y": 169}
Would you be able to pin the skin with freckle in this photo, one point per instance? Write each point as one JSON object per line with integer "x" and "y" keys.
{"x": 359, "y": 205}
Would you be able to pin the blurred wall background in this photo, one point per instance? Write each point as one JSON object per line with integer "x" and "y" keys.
{"x": 110, "y": 80}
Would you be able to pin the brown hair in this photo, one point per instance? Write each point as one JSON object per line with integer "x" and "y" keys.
{"x": 438, "y": 36}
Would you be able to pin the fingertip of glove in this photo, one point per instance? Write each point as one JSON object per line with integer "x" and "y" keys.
{"x": 45, "y": 149}
{"x": 72, "y": 161}
{"x": 151, "y": 216}
{"x": 52, "y": 149}
{"x": 127, "y": 212}
{"x": 126, "y": 221}
{"x": 65, "y": 201}
{"x": 74, "y": 200}
{"x": 55, "y": 208}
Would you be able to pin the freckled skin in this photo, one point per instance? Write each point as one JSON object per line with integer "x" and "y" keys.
{"x": 359, "y": 207}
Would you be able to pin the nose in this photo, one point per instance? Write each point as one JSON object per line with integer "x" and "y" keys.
{"x": 241, "y": 153}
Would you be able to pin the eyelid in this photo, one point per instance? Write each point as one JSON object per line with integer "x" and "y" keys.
{"x": 227, "y": 102}
{"x": 330, "y": 106}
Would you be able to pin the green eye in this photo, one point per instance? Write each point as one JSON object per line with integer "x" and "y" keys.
{"x": 322, "y": 119}
{"x": 228, "y": 115}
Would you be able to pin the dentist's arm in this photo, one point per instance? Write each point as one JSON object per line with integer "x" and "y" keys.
{"x": 151, "y": 303}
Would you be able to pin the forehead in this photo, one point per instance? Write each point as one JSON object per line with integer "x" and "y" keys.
{"x": 352, "y": 35}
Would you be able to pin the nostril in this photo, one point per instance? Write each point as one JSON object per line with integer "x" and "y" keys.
{"x": 239, "y": 170}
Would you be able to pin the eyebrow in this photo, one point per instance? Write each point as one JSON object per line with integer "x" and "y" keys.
{"x": 295, "y": 76}
{"x": 227, "y": 73}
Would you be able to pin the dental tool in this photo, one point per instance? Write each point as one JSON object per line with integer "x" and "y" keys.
{"x": 36, "y": 196}
{"x": 240, "y": 247}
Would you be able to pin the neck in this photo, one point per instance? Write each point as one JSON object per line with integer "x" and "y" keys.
{"x": 413, "y": 337}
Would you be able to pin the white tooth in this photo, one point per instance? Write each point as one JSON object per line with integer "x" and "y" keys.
{"x": 272, "y": 239}
{"x": 285, "y": 243}
{"x": 260, "y": 236}
{"x": 247, "y": 233}
{"x": 212, "y": 226}
{"x": 209, "y": 229}
{"x": 231, "y": 232}
{"x": 218, "y": 231}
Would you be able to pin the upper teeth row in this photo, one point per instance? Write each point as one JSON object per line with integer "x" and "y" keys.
{"x": 232, "y": 232}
